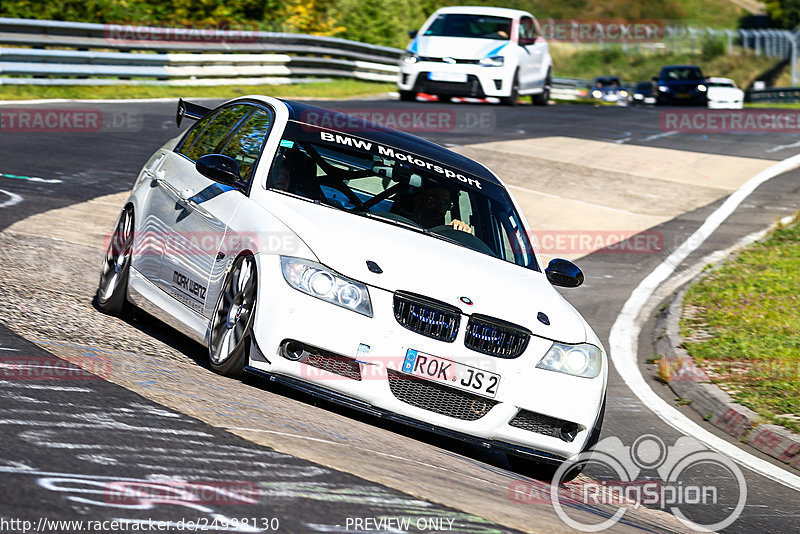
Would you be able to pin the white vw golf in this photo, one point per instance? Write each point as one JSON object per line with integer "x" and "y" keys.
{"x": 363, "y": 265}
{"x": 478, "y": 52}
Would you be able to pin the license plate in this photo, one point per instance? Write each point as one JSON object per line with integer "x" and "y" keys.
{"x": 683, "y": 95}
{"x": 458, "y": 77}
{"x": 454, "y": 374}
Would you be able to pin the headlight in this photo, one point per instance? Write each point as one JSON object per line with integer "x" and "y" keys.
{"x": 597, "y": 93}
{"x": 623, "y": 93}
{"x": 637, "y": 96}
{"x": 410, "y": 59}
{"x": 583, "y": 360}
{"x": 663, "y": 88}
{"x": 702, "y": 88}
{"x": 494, "y": 61}
{"x": 318, "y": 281}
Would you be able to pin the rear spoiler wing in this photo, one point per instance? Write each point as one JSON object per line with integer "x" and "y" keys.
{"x": 190, "y": 111}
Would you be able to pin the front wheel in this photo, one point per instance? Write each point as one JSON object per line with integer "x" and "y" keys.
{"x": 232, "y": 322}
{"x": 513, "y": 97}
{"x": 544, "y": 97}
{"x": 113, "y": 288}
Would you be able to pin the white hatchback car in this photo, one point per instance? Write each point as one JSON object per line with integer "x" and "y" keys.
{"x": 478, "y": 52}
{"x": 723, "y": 94}
{"x": 363, "y": 265}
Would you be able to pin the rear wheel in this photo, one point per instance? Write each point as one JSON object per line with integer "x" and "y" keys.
{"x": 113, "y": 288}
{"x": 232, "y": 322}
{"x": 407, "y": 96}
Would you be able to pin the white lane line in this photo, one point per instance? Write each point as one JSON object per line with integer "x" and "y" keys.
{"x": 659, "y": 136}
{"x": 9, "y": 349}
{"x": 13, "y": 199}
{"x": 624, "y": 337}
{"x": 783, "y": 147}
{"x": 31, "y": 178}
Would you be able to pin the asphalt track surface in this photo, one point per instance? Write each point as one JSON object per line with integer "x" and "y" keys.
{"x": 48, "y": 459}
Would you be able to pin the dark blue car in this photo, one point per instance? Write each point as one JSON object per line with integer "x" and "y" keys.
{"x": 681, "y": 84}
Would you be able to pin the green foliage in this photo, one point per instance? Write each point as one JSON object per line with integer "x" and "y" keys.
{"x": 383, "y": 22}
{"x": 784, "y": 12}
{"x": 713, "y": 46}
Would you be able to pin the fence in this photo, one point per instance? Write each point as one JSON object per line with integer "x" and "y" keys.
{"x": 58, "y": 53}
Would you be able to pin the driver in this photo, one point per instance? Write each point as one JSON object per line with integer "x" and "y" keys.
{"x": 430, "y": 205}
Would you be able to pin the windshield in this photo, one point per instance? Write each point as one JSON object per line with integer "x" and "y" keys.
{"x": 476, "y": 26}
{"x": 395, "y": 187}
{"x": 690, "y": 73}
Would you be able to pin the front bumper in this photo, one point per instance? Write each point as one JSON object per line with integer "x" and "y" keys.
{"x": 554, "y": 398}
{"x": 481, "y": 81}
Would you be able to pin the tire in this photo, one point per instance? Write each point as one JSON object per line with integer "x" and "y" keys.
{"x": 511, "y": 99}
{"x": 543, "y": 98}
{"x": 232, "y": 322}
{"x": 407, "y": 96}
{"x": 112, "y": 291}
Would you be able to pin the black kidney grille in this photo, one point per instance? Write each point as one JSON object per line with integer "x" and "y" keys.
{"x": 495, "y": 337}
{"x": 438, "y": 398}
{"x": 430, "y": 318}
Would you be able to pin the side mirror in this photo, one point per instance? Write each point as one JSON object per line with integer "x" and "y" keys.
{"x": 527, "y": 41}
{"x": 413, "y": 33}
{"x": 654, "y": 79}
{"x": 222, "y": 169}
{"x": 563, "y": 273}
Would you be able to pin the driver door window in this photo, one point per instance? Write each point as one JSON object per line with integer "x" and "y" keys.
{"x": 211, "y": 132}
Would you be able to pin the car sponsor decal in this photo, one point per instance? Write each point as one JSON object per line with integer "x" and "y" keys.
{"x": 411, "y": 159}
{"x": 188, "y": 292}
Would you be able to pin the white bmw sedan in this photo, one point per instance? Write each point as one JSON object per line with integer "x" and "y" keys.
{"x": 478, "y": 52}
{"x": 363, "y": 265}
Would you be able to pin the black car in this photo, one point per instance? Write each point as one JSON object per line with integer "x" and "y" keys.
{"x": 681, "y": 84}
{"x": 644, "y": 93}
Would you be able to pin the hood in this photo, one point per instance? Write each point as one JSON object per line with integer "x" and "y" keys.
{"x": 457, "y": 47}
{"x": 422, "y": 264}
{"x": 725, "y": 92}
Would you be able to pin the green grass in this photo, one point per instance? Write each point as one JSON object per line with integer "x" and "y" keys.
{"x": 744, "y": 326}
{"x": 336, "y": 89}
{"x": 580, "y": 62}
{"x": 711, "y": 13}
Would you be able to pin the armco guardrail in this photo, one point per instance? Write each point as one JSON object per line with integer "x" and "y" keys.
{"x": 570, "y": 88}
{"x": 774, "y": 94}
{"x": 100, "y": 54}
